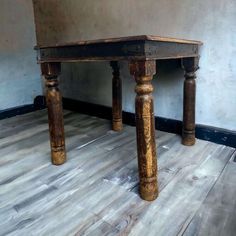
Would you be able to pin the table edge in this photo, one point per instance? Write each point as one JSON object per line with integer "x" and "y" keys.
{"x": 122, "y": 39}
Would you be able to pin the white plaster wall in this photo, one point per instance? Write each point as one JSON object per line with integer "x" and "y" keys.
{"x": 19, "y": 73}
{"x": 211, "y": 21}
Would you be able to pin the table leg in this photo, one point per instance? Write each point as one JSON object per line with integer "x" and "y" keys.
{"x": 55, "y": 112}
{"x": 116, "y": 97}
{"x": 190, "y": 66}
{"x": 143, "y": 72}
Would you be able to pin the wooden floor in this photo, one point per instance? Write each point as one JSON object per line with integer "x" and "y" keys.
{"x": 95, "y": 192}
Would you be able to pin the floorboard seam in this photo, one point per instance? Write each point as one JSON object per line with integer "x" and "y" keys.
{"x": 233, "y": 157}
{"x": 90, "y": 142}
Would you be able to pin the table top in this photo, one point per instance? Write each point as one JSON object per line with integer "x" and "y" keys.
{"x": 141, "y": 47}
{"x": 124, "y": 39}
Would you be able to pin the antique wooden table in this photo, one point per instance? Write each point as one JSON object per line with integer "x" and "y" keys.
{"x": 141, "y": 52}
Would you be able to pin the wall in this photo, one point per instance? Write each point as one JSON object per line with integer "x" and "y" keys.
{"x": 19, "y": 73}
{"x": 211, "y": 21}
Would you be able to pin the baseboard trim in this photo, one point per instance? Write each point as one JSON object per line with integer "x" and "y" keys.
{"x": 39, "y": 103}
{"x": 213, "y": 134}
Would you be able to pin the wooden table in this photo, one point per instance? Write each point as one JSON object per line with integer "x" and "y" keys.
{"x": 141, "y": 52}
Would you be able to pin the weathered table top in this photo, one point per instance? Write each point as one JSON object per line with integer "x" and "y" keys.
{"x": 143, "y": 47}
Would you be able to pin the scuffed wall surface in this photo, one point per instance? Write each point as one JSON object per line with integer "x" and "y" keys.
{"x": 211, "y": 21}
{"x": 20, "y": 79}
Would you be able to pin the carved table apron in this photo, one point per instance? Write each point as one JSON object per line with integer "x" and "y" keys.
{"x": 141, "y": 52}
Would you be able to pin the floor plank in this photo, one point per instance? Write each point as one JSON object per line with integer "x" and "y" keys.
{"x": 96, "y": 191}
{"x": 183, "y": 196}
{"x": 217, "y": 215}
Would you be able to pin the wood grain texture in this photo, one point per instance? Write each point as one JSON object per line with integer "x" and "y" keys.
{"x": 143, "y": 72}
{"x": 95, "y": 192}
{"x": 217, "y": 215}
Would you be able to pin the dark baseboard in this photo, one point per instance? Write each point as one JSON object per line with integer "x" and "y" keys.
{"x": 39, "y": 103}
{"x": 216, "y": 135}
{"x": 213, "y": 134}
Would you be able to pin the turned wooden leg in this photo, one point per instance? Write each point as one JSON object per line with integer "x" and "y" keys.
{"x": 116, "y": 97}
{"x": 55, "y": 113}
{"x": 143, "y": 72}
{"x": 190, "y": 66}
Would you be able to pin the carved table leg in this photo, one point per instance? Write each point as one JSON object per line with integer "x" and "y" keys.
{"x": 143, "y": 72}
{"x": 116, "y": 97}
{"x": 55, "y": 113}
{"x": 190, "y": 66}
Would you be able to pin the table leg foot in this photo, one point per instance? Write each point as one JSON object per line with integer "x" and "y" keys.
{"x": 58, "y": 155}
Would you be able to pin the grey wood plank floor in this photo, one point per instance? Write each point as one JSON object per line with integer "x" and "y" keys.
{"x": 96, "y": 191}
